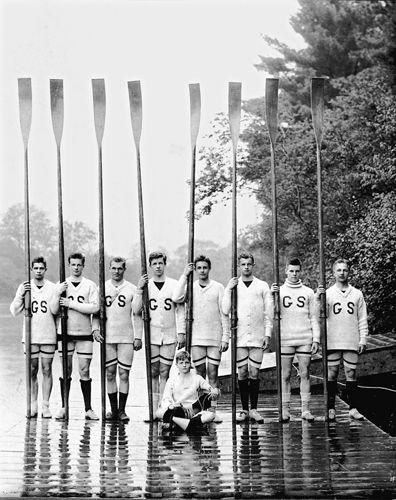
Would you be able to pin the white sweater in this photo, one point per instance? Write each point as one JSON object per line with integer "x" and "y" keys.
{"x": 346, "y": 318}
{"x": 210, "y": 325}
{"x": 43, "y": 329}
{"x": 84, "y": 302}
{"x": 166, "y": 318}
{"x": 255, "y": 312}
{"x": 121, "y": 327}
{"x": 299, "y": 315}
{"x": 183, "y": 389}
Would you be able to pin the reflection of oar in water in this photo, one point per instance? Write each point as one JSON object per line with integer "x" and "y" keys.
{"x": 271, "y": 111}
{"x": 25, "y": 118}
{"x": 317, "y": 105}
{"x": 135, "y": 104}
{"x": 195, "y": 113}
{"x": 99, "y": 102}
{"x": 234, "y": 116}
{"x": 56, "y": 91}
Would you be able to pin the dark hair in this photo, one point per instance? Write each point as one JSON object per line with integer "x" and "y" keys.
{"x": 245, "y": 255}
{"x": 182, "y": 355}
{"x": 202, "y": 258}
{"x": 77, "y": 255}
{"x": 39, "y": 260}
{"x": 157, "y": 255}
{"x": 294, "y": 261}
{"x": 119, "y": 260}
{"x": 341, "y": 261}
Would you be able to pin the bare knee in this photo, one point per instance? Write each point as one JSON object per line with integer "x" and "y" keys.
{"x": 155, "y": 370}
{"x": 124, "y": 374}
{"x": 350, "y": 374}
{"x": 243, "y": 372}
{"x": 111, "y": 373}
{"x": 46, "y": 369}
{"x": 164, "y": 371}
{"x": 201, "y": 370}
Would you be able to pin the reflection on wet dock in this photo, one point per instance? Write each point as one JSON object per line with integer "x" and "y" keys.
{"x": 42, "y": 458}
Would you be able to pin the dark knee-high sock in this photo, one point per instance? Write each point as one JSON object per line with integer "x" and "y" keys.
{"x": 351, "y": 390}
{"x": 331, "y": 393}
{"x": 86, "y": 390}
{"x": 123, "y": 399}
{"x": 113, "y": 402}
{"x": 68, "y": 382}
{"x": 254, "y": 385}
{"x": 244, "y": 393}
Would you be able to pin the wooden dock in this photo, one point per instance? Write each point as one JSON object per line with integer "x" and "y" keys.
{"x": 345, "y": 459}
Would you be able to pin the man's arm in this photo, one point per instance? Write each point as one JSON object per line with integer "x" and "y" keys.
{"x": 225, "y": 322}
{"x": 137, "y": 302}
{"x": 362, "y": 323}
{"x": 179, "y": 293}
{"x": 90, "y": 307}
{"x": 226, "y": 302}
{"x": 18, "y": 304}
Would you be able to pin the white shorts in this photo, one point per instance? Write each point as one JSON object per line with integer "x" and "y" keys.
{"x": 200, "y": 354}
{"x": 45, "y": 350}
{"x": 252, "y": 356}
{"x": 288, "y": 351}
{"x": 163, "y": 353}
{"x": 350, "y": 358}
{"x": 121, "y": 354}
{"x": 84, "y": 348}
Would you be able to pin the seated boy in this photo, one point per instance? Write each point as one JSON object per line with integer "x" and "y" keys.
{"x": 181, "y": 396}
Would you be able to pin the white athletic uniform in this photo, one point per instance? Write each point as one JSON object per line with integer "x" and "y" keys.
{"x": 346, "y": 319}
{"x": 166, "y": 318}
{"x": 255, "y": 311}
{"x": 210, "y": 326}
{"x": 43, "y": 331}
{"x": 299, "y": 315}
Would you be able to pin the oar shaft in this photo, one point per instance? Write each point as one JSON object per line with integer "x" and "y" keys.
{"x": 27, "y": 298}
{"x": 322, "y": 278}
{"x": 62, "y": 277}
{"x": 234, "y": 294}
{"x": 102, "y": 298}
{"x": 191, "y": 235}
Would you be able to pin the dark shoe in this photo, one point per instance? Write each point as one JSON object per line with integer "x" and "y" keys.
{"x": 111, "y": 417}
{"x": 123, "y": 417}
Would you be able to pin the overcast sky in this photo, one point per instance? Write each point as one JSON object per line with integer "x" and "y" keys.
{"x": 166, "y": 45}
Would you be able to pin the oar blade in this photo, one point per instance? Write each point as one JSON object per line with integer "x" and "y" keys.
{"x": 195, "y": 111}
{"x": 57, "y": 109}
{"x": 317, "y": 107}
{"x": 135, "y": 105}
{"x": 234, "y": 110}
{"x": 25, "y": 107}
{"x": 99, "y": 103}
{"x": 271, "y": 107}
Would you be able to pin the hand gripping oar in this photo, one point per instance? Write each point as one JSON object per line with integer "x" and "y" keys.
{"x": 317, "y": 105}
{"x": 135, "y": 105}
{"x": 25, "y": 118}
{"x": 99, "y": 103}
{"x": 271, "y": 112}
{"x": 234, "y": 116}
{"x": 195, "y": 115}
{"x": 57, "y": 114}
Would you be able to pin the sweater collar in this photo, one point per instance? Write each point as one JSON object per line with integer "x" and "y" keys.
{"x": 293, "y": 285}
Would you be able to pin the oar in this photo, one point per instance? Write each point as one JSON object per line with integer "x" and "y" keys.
{"x": 135, "y": 105}
{"x": 99, "y": 103}
{"x": 57, "y": 114}
{"x": 25, "y": 118}
{"x": 317, "y": 105}
{"x": 271, "y": 112}
{"x": 234, "y": 116}
{"x": 195, "y": 115}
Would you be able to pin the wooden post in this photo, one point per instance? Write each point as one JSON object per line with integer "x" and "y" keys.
{"x": 135, "y": 104}
{"x": 57, "y": 114}
{"x": 234, "y": 115}
{"x": 25, "y": 118}
{"x": 271, "y": 112}
{"x": 317, "y": 105}
{"x": 99, "y": 103}
{"x": 195, "y": 116}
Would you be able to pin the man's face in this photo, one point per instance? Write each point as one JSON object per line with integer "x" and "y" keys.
{"x": 184, "y": 365}
{"x": 341, "y": 272}
{"x": 38, "y": 271}
{"x": 293, "y": 273}
{"x": 117, "y": 271}
{"x": 158, "y": 267}
{"x": 76, "y": 267}
{"x": 246, "y": 267}
{"x": 202, "y": 270}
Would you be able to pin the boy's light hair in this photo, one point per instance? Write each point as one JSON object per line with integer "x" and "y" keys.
{"x": 182, "y": 356}
{"x": 341, "y": 261}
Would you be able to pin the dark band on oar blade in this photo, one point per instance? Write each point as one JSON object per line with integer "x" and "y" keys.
{"x": 25, "y": 107}
{"x": 317, "y": 106}
{"x": 271, "y": 107}
{"x": 99, "y": 102}
{"x": 57, "y": 111}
